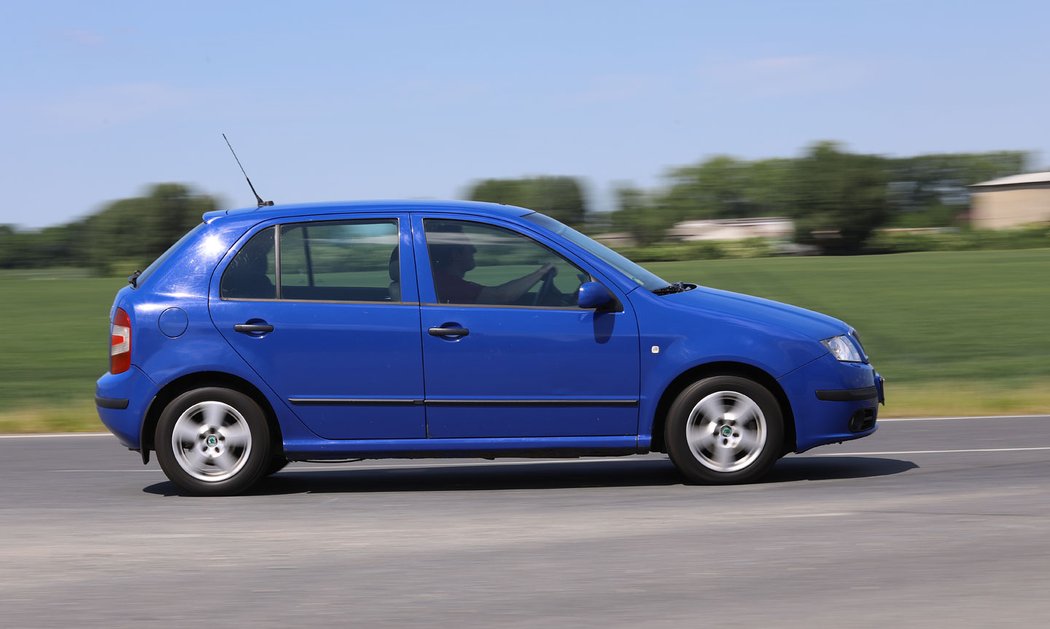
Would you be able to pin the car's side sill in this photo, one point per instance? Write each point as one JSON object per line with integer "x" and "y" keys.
{"x": 303, "y": 449}
{"x": 526, "y": 402}
{"x": 300, "y": 401}
{"x": 324, "y": 401}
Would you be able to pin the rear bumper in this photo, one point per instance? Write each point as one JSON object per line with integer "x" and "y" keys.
{"x": 833, "y": 401}
{"x": 121, "y": 401}
{"x": 115, "y": 403}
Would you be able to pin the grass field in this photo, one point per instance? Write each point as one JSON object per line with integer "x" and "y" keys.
{"x": 954, "y": 333}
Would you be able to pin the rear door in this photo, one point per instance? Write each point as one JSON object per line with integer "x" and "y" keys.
{"x": 321, "y": 311}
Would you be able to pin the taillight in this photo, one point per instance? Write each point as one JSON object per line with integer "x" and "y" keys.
{"x": 120, "y": 343}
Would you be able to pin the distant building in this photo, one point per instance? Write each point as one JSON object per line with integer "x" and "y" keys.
{"x": 733, "y": 229}
{"x": 727, "y": 229}
{"x": 1011, "y": 201}
{"x": 616, "y": 240}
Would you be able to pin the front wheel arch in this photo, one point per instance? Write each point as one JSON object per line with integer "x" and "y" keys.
{"x": 201, "y": 380}
{"x": 699, "y": 372}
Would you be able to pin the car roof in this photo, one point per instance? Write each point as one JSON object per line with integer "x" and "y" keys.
{"x": 349, "y": 207}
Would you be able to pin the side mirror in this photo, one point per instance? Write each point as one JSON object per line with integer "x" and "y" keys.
{"x": 593, "y": 295}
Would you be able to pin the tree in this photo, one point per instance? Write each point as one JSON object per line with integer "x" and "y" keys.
{"x": 133, "y": 232}
{"x": 715, "y": 188}
{"x": 838, "y": 198}
{"x": 13, "y": 248}
{"x": 638, "y": 216}
{"x": 768, "y": 185}
{"x": 560, "y": 198}
{"x": 929, "y": 190}
{"x": 726, "y": 187}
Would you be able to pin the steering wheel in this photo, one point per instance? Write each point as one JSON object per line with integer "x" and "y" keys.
{"x": 545, "y": 288}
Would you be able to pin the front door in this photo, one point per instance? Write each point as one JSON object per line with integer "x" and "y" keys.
{"x": 506, "y": 350}
{"x": 322, "y": 313}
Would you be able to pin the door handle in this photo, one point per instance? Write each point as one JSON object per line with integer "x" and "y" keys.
{"x": 253, "y": 328}
{"x": 448, "y": 331}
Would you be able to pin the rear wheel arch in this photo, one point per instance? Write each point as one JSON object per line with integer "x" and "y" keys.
{"x": 742, "y": 370}
{"x": 189, "y": 382}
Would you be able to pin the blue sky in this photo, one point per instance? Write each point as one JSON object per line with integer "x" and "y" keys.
{"x": 347, "y": 100}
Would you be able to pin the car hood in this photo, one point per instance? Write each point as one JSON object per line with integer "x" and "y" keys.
{"x": 782, "y": 317}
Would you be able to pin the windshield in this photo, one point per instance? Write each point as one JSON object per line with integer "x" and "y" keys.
{"x": 637, "y": 274}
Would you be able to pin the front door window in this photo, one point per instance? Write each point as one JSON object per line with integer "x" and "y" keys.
{"x": 473, "y": 263}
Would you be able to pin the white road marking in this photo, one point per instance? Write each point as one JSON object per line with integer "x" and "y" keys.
{"x": 945, "y": 419}
{"x": 969, "y": 451}
{"x": 60, "y": 435}
{"x": 133, "y": 471}
{"x": 56, "y": 435}
{"x": 355, "y": 466}
{"x": 307, "y": 466}
{"x": 830, "y": 514}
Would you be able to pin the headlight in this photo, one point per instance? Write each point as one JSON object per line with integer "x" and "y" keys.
{"x": 843, "y": 349}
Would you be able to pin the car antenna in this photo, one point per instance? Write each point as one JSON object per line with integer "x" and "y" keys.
{"x": 257, "y": 197}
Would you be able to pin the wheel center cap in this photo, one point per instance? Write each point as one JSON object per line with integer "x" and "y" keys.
{"x": 212, "y": 441}
{"x": 727, "y": 431}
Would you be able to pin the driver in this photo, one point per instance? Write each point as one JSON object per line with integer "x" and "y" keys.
{"x": 450, "y": 262}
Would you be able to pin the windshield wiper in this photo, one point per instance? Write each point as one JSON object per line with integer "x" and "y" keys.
{"x": 677, "y": 287}
{"x": 133, "y": 279}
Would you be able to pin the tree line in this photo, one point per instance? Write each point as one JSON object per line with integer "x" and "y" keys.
{"x": 122, "y": 236}
{"x": 835, "y": 198}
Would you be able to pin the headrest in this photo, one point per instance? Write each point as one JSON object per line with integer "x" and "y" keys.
{"x": 394, "y": 268}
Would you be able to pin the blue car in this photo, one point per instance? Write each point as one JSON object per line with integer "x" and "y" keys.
{"x": 434, "y": 329}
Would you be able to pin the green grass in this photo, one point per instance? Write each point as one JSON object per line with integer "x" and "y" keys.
{"x": 953, "y": 332}
{"x": 54, "y": 336}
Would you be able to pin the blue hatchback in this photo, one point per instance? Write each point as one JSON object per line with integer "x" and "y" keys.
{"x": 419, "y": 329}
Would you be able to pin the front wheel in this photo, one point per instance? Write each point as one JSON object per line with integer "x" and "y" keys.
{"x": 724, "y": 429}
{"x": 213, "y": 441}
{"x": 277, "y": 464}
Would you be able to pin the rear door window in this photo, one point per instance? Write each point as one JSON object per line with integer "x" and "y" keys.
{"x": 340, "y": 261}
{"x": 252, "y": 273}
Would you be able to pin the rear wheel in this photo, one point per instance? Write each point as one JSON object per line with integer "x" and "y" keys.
{"x": 724, "y": 429}
{"x": 213, "y": 441}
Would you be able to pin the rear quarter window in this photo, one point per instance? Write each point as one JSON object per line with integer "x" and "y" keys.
{"x": 159, "y": 262}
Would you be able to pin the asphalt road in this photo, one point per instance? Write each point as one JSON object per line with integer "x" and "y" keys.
{"x": 926, "y": 523}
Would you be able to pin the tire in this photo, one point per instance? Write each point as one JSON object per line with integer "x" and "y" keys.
{"x": 277, "y": 464}
{"x": 213, "y": 442}
{"x": 724, "y": 430}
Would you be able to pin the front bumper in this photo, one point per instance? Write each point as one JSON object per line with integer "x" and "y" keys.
{"x": 833, "y": 401}
{"x": 848, "y": 395}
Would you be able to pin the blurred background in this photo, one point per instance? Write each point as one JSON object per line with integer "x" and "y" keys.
{"x": 887, "y": 163}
